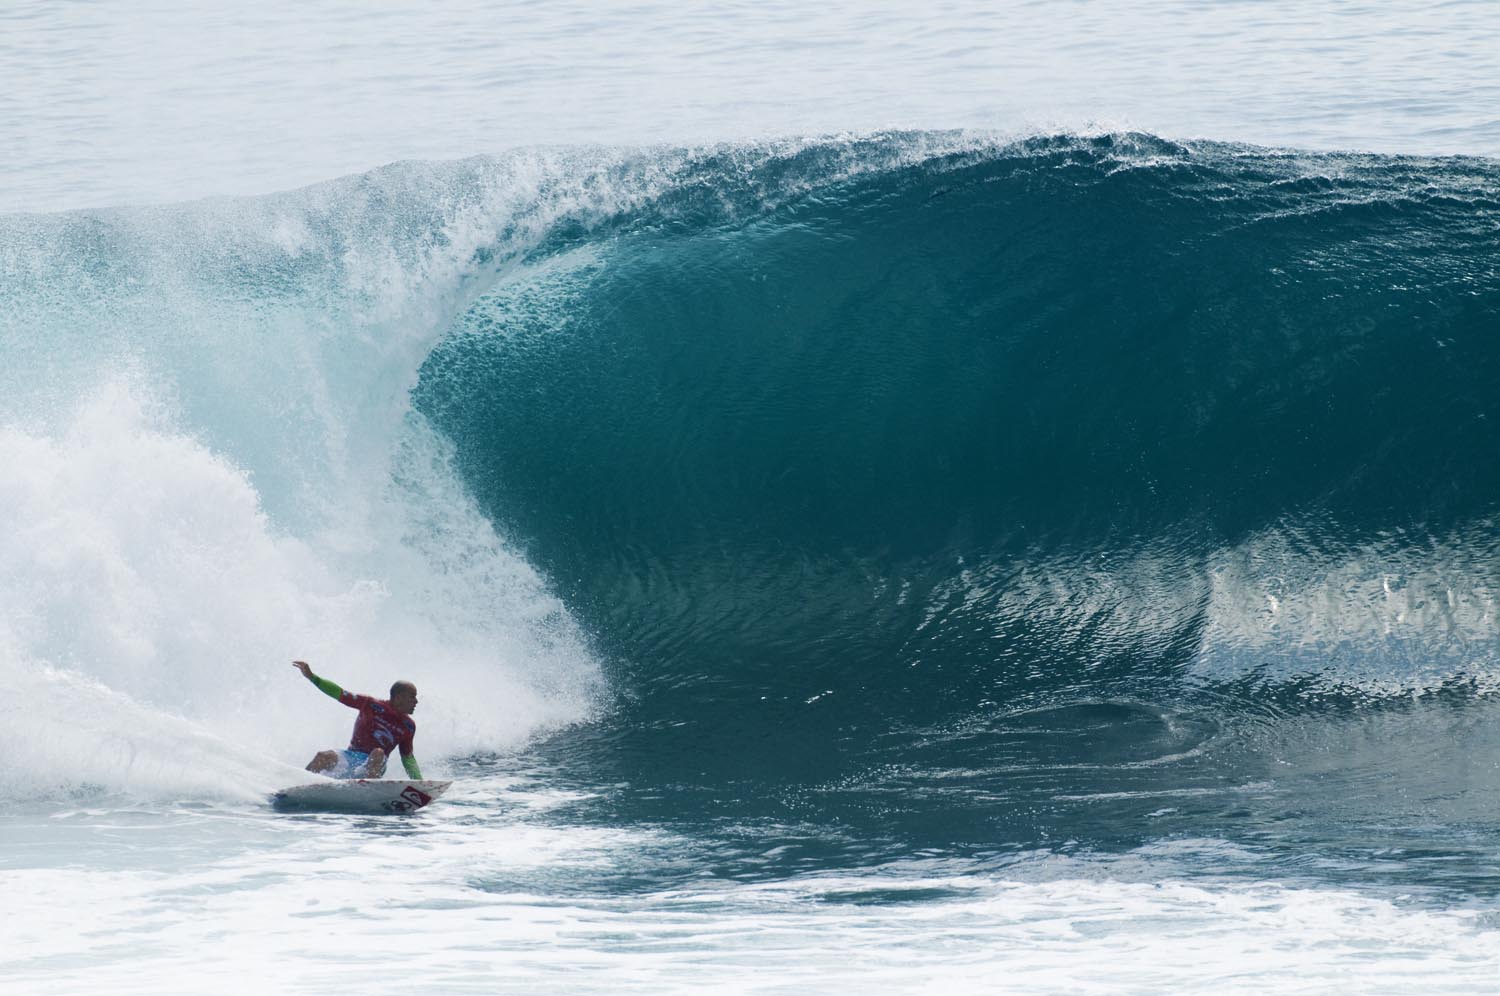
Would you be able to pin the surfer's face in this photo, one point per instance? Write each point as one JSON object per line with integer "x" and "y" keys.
{"x": 405, "y": 700}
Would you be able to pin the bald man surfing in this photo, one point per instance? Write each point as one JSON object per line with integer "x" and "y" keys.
{"x": 380, "y": 727}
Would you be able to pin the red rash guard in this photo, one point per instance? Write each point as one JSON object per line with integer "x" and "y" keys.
{"x": 380, "y": 724}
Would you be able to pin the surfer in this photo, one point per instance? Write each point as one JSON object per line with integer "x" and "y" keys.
{"x": 380, "y": 726}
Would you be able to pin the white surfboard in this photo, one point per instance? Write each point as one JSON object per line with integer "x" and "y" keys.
{"x": 359, "y": 795}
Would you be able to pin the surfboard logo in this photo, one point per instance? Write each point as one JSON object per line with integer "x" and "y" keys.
{"x": 415, "y": 796}
{"x": 411, "y": 798}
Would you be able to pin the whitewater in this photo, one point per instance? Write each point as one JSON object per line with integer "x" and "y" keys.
{"x": 986, "y": 499}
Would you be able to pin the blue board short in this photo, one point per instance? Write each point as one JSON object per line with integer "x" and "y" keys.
{"x": 351, "y": 764}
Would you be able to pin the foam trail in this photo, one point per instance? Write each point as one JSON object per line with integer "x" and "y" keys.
{"x": 107, "y": 740}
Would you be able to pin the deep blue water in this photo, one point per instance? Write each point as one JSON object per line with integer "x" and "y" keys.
{"x": 938, "y": 497}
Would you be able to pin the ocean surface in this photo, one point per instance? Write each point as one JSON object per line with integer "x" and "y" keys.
{"x": 989, "y": 499}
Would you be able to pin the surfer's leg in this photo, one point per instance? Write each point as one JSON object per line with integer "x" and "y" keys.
{"x": 375, "y": 766}
{"x": 323, "y": 760}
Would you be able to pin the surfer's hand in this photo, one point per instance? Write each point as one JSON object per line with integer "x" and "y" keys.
{"x": 304, "y": 668}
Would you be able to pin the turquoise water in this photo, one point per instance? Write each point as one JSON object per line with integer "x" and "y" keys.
{"x": 1078, "y": 477}
{"x": 974, "y": 558}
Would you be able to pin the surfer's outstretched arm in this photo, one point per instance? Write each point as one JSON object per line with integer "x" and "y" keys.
{"x": 327, "y": 687}
{"x": 409, "y": 762}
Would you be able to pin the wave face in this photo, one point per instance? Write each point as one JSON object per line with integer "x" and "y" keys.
{"x": 776, "y": 452}
{"x": 817, "y": 452}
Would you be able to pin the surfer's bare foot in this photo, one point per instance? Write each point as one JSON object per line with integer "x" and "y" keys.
{"x": 375, "y": 766}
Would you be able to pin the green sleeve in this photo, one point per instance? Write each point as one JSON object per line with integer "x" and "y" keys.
{"x": 409, "y": 762}
{"x": 327, "y": 687}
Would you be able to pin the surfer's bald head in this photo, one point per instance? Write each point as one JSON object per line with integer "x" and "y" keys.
{"x": 404, "y": 696}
